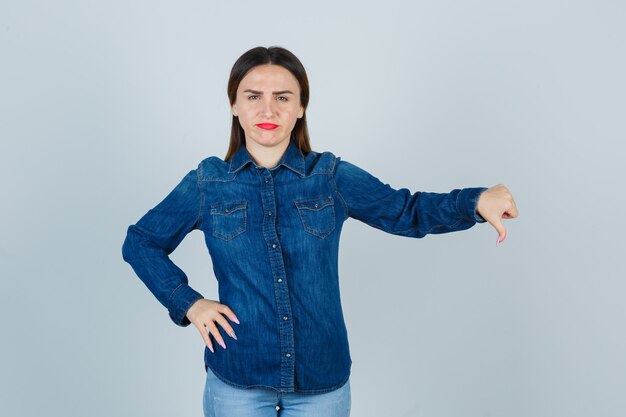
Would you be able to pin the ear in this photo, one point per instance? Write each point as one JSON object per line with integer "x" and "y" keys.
{"x": 301, "y": 113}
{"x": 234, "y": 109}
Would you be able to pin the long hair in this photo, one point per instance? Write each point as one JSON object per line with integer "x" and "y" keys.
{"x": 261, "y": 56}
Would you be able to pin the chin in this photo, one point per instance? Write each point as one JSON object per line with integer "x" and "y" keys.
{"x": 261, "y": 143}
{"x": 269, "y": 141}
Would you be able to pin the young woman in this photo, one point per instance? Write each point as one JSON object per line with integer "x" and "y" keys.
{"x": 271, "y": 212}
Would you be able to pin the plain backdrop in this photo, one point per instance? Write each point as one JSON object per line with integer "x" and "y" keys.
{"x": 105, "y": 105}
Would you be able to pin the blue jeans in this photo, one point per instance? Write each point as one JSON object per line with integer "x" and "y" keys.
{"x": 224, "y": 400}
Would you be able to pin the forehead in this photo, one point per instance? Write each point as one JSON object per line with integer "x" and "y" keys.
{"x": 269, "y": 77}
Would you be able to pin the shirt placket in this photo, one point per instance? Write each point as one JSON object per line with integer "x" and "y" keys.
{"x": 281, "y": 290}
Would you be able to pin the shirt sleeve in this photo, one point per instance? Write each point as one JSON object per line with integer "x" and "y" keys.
{"x": 400, "y": 211}
{"x": 149, "y": 242}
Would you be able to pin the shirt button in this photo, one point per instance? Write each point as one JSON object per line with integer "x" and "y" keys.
{"x": 269, "y": 213}
{"x": 288, "y": 355}
{"x": 285, "y": 318}
{"x": 316, "y": 205}
{"x": 266, "y": 180}
{"x": 280, "y": 280}
{"x": 274, "y": 245}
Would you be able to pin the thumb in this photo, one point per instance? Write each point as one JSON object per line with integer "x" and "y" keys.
{"x": 497, "y": 224}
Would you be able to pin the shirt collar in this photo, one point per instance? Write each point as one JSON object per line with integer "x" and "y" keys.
{"x": 292, "y": 158}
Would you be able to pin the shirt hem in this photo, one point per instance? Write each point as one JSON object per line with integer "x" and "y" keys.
{"x": 299, "y": 391}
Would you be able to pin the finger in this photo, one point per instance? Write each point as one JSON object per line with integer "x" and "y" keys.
{"x": 205, "y": 335}
{"x": 513, "y": 212}
{"x": 216, "y": 334}
{"x": 224, "y": 323}
{"x": 497, "y": 224}
{"x": 231, "y": 315}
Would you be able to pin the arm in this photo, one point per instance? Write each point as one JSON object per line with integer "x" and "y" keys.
{"x": 149, "y": 242}
{"x": 401, "y": 212}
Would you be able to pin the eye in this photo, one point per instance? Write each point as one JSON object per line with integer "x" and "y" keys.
{"x": 250, "y": 97}
{"x": 285, "y": 98}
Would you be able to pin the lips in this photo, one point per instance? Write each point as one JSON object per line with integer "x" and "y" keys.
{"x": 267, "y": 126}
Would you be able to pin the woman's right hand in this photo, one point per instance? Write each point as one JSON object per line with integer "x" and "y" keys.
{"x": 204, "y": 313}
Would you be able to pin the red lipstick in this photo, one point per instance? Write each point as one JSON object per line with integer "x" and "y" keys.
{"x": 267, "y": 126}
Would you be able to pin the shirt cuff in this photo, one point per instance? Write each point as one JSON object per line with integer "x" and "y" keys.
{"x": 467, "y": 201}
{"x": 181, "y": 300}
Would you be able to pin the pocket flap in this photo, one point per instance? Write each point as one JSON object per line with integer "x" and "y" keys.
{"x": 317, "y": 203}
{"x": 227, "y": 207}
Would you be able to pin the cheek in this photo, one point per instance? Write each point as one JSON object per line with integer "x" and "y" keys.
{"x": 292, "y": 113}
{"x": 246, "y": 118}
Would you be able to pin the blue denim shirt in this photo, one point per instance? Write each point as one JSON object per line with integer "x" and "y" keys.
{"x": 273, "y": 237}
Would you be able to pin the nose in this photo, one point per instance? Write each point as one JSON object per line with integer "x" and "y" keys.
{"x": 268, "y": 107}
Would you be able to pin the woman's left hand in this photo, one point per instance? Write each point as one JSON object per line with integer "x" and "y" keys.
{"x": 494, "y": 204}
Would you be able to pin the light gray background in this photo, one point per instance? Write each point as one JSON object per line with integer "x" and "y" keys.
{"x": 104, "y": 106}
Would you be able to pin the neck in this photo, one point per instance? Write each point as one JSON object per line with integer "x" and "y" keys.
{"x": 266, "y": 156}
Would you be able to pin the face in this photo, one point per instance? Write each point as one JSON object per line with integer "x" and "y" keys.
{"x": 269, "y": 95}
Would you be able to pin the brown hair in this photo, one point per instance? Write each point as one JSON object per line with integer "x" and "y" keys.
{"x": 260, "y": 56}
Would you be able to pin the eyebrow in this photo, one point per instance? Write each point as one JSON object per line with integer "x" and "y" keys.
{"x": 273, "y": 92}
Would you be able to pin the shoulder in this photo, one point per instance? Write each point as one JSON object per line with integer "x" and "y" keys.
{"x": 335, "y": 164}
{"x": 212, "y": 167}
{"x": 321, "y": 162}
{"x": 331, "y": 163}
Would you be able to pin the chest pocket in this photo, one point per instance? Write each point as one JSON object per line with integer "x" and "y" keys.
{"x": 229, "y": 219}
{"x": 317, "y": 215}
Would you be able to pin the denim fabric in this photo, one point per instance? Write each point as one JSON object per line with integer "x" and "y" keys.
{"x": 221, "y": 399}
{"x": 273, "y": 237}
